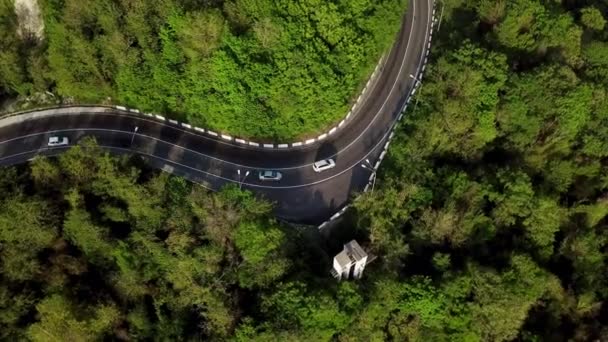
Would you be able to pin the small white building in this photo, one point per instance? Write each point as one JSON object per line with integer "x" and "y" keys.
{"x": 350, "y": 262}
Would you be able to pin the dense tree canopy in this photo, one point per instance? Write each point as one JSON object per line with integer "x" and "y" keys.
{"x": 496, "y": 187}
{"x": 264, "y": 68}
{"x": 92, "y": 247}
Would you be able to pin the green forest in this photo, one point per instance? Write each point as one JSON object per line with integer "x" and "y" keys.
{"x": 489, "y": 217}
{"x": 270, "y": 69}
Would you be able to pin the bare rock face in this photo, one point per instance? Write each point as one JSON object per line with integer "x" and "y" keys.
{"x": 31, "y": 25}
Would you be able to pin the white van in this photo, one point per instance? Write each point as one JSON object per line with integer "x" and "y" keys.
{"x": 323, "y": 165}
{"x": 58, "y": 141}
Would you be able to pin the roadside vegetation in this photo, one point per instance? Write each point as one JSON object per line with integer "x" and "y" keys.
{"x": 92, "y": 246}
{"x": 266, "y": 69}
{"x": 491, "y": 211}
{"x": 489, "y": 218}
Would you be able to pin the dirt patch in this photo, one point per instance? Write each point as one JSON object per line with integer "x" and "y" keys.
{"x": 31, "y": 24}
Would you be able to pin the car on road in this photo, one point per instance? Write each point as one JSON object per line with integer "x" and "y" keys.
{"x": 269, "y": 175}
{"x": 58, "y": 141}
{"x": 323, "y": 165}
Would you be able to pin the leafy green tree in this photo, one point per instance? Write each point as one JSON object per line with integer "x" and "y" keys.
{"x": 529, "y": 26}
{"x": 513, "y": 200}
{"x": 45, "y": 173}
{"x": 441, "y": 261}
{"x": 522, "y": 25}
{"x": 502, "y": 301}
{"x": 543, "y": 223}
{"x": 259, "y": 247}
{"x": 461, "y": 220}
{"x": 412, "y": 310}
{"x": 583, "y": 247}
{"x": 12, "y": 68}
{"x": 27, "y": 227}
{"x": 491, "y": 12}
{"x": 381, "y": 214}
{"x": 460, "y": 118}
{"x": 60, "y": 320}
{"x": 592, "y": 18}
{"x": 314, "y": 315}
{"x": 72, "y": 64}
{"x": 594, "y": 55}
{"x": 199, "y": 33}
{"x": 13, "y": 306}
{"x": 79, "y": 229}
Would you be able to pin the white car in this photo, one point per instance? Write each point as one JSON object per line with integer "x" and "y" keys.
{"x": 269, "y": 175}
{"x": 58, "y": 141}
{"x": 323, "y": 165}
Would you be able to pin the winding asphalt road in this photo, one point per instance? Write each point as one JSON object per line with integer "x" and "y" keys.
{"x": 302, "y": 195}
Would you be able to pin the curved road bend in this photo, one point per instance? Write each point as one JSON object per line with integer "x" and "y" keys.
{"x": 302, "y": 195}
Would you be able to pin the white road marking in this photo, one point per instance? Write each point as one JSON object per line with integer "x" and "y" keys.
{"x": 198, "y": 153}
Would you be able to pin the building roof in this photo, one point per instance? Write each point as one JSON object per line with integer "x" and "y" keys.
{"x": 343, "y": 259}
{"x": 351, "y": 254}
{"x": 353, "y": 249}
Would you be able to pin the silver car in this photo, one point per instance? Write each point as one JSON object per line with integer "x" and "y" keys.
{"x": 58, "y": 141}
{"x": 269, "y": 175}
{"x": 323, "y": 165}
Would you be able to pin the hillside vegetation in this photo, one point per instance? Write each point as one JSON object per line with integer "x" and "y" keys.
{"x": 264, "y": 68}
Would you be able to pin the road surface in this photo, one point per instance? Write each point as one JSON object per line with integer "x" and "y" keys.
{"x": 302, "y": 195}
